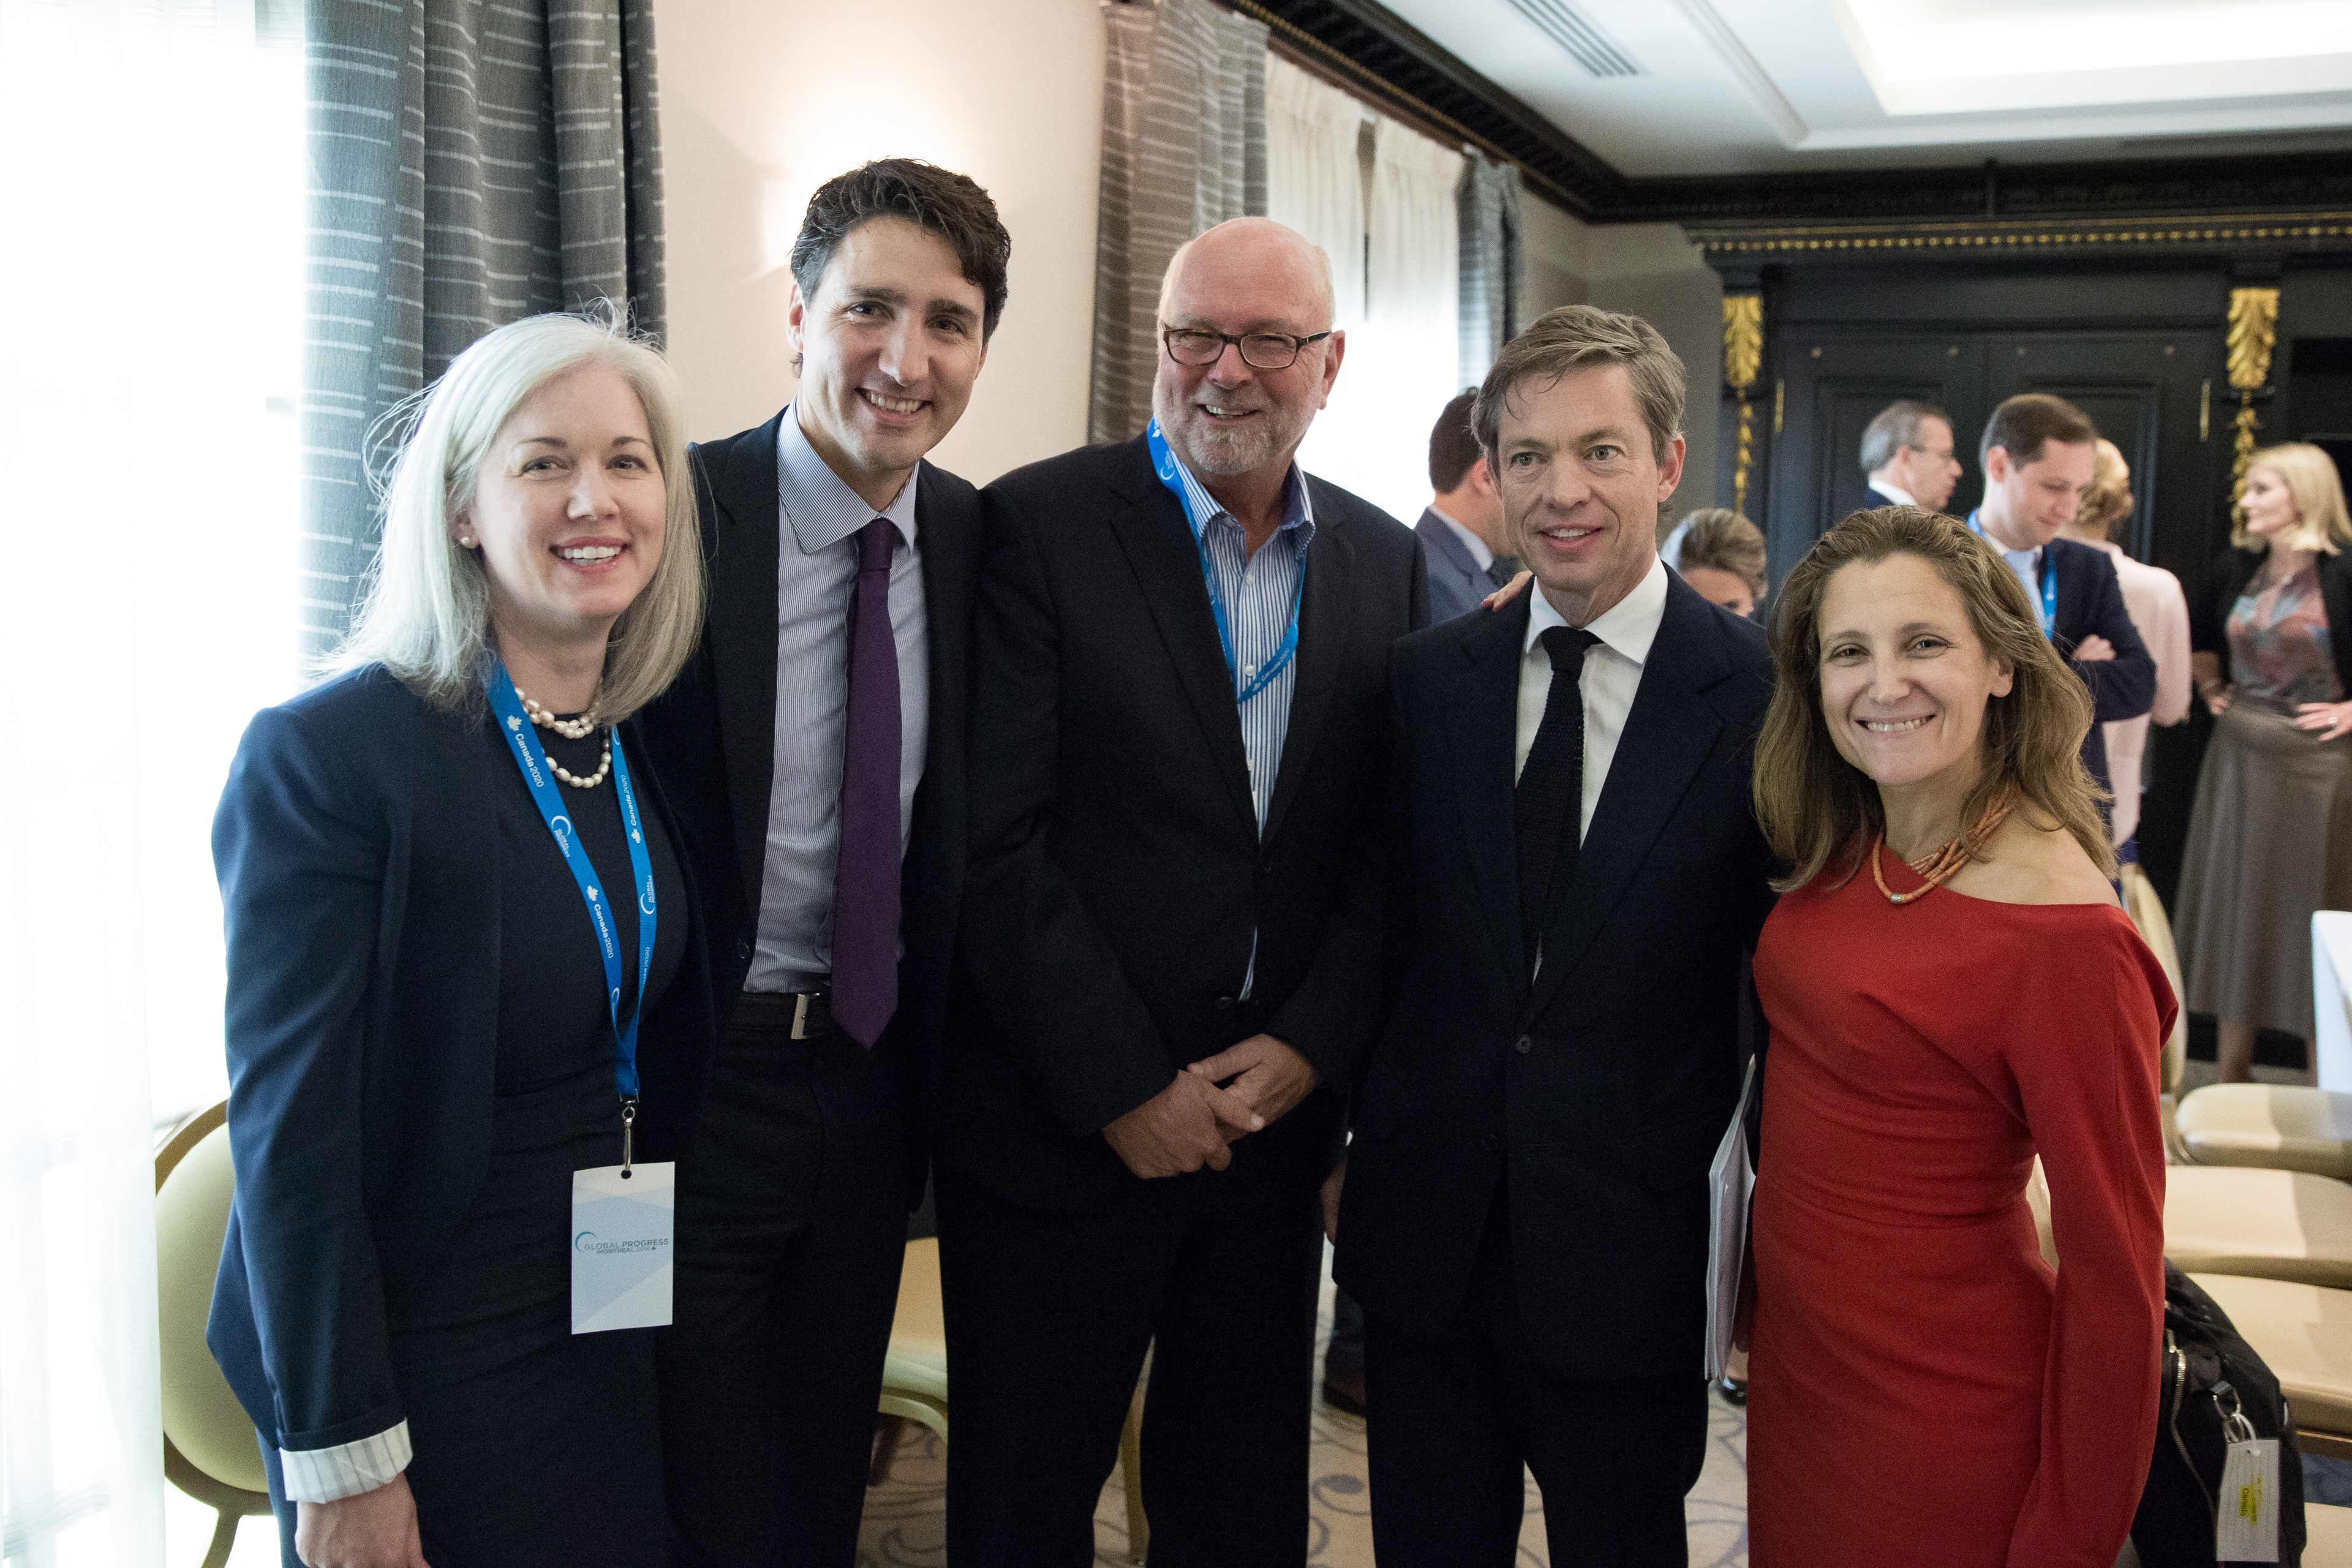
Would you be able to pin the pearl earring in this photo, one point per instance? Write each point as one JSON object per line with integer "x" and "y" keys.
{"x": 465, "y": 541}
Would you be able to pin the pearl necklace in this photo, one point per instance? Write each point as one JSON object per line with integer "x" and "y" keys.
{"x": 577, "y": 728}
{"x": 1940, "y": 864}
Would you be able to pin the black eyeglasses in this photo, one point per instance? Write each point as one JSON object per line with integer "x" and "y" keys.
{"x": 1260, "y": 351}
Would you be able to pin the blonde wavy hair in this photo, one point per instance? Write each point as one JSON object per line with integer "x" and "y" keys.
{"x": 2318, "y": 491}
{"x": 1819, "y": 812}
{"x": 426, "y": 615}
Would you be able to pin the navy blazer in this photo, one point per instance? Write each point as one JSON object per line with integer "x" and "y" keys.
{"x": 1118, "y": 869}
{"x": 357, "y": 848}
{"x": 2091, "y": 602}
{"x": 713, "y": 733}
{"x": 1599, "y": 1090}
{"x": 1457, "y": 584}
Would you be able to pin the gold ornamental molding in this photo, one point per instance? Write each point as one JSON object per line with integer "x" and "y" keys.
{"x": 2253, "y": 333}
{"x": 1743, "y": 356}
{"x": 2322, "y": 230}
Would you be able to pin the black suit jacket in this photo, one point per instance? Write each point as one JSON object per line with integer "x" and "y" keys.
{"x": 1118, "y": 872}
{"x": 714, "y": 735}
{"x": 357, "y": 845}
{"x": 2226, "y": 578}
{"x": 2091, "y": 602}
{"x": 1599, "y": 1091}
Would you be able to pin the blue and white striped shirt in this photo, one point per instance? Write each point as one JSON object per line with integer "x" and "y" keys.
{"x": 1258, "y": 592}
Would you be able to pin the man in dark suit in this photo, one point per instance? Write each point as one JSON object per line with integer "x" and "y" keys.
{"x": 816, "y": 749}
{"x": 1523, "y": 1211}
{"x": 1179, "y": 750}
{"x": 2039, "y": 455}
{"x": 1462, "y": 528}
{"x": 1907, "y": 457}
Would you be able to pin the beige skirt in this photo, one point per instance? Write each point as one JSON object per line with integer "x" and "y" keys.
{"x": 2270, "y": 843}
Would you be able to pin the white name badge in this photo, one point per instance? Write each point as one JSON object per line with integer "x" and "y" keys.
{"x": 623, "y": 1238}
{"x": 2246, "y": 1523}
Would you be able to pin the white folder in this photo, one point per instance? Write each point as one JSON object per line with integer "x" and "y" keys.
{"x": 1731, "y": 1182}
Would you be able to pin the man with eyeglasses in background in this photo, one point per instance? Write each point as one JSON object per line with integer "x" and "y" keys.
{"x": 1171, "y": 936}
{"x": 1908, "y": 453}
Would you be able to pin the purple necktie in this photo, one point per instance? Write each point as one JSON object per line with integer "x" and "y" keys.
{"x": 866, "y": 880}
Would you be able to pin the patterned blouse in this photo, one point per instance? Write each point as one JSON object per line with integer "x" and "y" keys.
{"x": 2279, "y": 646}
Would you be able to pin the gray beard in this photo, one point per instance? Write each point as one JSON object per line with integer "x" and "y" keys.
{"x": 1209, "y": 450}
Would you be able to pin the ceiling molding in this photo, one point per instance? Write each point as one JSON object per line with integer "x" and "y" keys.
{"x": 1761, "y": 90}
{"x": 1423, "y": 74}
{"x": 1982, "y": 240}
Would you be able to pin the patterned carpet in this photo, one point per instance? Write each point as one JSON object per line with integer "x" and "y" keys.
{"x": 905, "y": 1524}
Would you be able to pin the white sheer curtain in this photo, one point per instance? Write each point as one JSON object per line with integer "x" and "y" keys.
{"x": 1392, "y": 234}
{"x": 151, "y": 168}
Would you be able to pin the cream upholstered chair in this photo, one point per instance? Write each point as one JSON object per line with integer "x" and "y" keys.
{"x": 2146, "y": 912}
{"x": 2275, "y": 1224}
{"x": 2280, "y": 1126}
{"x": 2303, "y": 1334}
{"x": 915, "y": 1384}
{"x": 210, "y": 1449}
{"x": 2327, "y": 1536}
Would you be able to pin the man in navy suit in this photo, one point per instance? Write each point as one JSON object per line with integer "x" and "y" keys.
{"x": 1577, "y": 872}
{"x": 1462, "y": 528}
{"x": 2038, "y": 454}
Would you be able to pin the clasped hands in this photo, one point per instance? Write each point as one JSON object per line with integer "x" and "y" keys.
{"x": 1210, "y": 1105}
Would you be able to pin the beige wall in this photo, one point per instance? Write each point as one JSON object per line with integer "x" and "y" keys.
{"x": 763, "y": 99}
{"x": 1653, "y": 270}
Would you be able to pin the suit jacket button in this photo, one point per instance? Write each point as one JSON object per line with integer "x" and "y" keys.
{"x": 1523, "y": 1045}
{"x": 1488, "y": 1144}
{"x": 743, "y": 947}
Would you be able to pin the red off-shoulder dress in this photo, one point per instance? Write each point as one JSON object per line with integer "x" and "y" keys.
{"x": 1923, "y": 1390}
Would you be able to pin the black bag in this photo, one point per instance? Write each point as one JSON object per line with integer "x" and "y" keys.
{"x": 2205, "y": 1363}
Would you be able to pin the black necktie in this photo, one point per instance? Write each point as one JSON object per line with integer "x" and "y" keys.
{"x": 1548, "y": 806}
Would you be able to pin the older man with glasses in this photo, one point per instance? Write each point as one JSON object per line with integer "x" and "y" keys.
{"x": 1171, "y": 936}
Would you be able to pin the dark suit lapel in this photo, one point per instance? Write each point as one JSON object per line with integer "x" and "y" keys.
{"x": 1482, "y": 719}
{"x": 1322, "y": 640}
{"x": 1667, "y": 738}
{"x": 1152, "y": 529}
{"x": 745, "y": 539}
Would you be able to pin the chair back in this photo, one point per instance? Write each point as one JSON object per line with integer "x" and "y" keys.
{"x": 2146, "y": 912}
{"x": 204, "y": 1425}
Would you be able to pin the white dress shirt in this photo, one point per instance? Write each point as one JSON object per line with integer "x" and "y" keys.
{"x": 1611, "y": 677}
{"x": 816, "y": 567}
{"x": 1470, "y": 542}
{"x": 1895, "y": 494}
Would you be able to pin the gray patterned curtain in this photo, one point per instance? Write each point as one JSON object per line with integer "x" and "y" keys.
{"x": 1183, "y": 150}
{"x": 471, "y": 164}
{"x": 1487, "y": 202}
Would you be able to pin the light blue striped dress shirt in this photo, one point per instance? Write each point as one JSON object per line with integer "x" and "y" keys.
{"x": 1258, "y": 592}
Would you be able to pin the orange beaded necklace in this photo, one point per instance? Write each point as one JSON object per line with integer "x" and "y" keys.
{"x": 1940, "y": 864}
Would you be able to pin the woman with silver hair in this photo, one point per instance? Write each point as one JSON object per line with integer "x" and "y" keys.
{"x": 455, "y": 1062}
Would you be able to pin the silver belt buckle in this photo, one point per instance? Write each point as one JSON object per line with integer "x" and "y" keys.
{"x": 800, "y": 1015}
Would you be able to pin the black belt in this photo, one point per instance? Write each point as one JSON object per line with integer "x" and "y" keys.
{"x": 800, "y": 1015}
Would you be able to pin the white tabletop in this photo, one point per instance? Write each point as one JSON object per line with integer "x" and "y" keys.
{"x": 2331, "y": 979}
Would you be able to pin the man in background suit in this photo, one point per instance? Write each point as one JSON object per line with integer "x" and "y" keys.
{"x": 1462, "y": 528}
{"x": 1909, "y": 457}
{"x": 1180, "y": 740}
{"x": 2040, "y": 454}
{"x": 1523, "y": 1211}
{"x": 815, "y": 750}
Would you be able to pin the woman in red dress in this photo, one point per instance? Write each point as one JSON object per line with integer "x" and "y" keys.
{"x": 1952, "y": 990}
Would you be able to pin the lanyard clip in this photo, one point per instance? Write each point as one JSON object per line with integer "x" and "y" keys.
{"x": 628, "y": 1132}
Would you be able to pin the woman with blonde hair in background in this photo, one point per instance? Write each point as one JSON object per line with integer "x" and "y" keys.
{"x": 1721, "y": 555}
{"x": 2159, "y": 612}
{"x": 2270, "y": 838}
{"x": 1952, "y": 990}
{"x": 464, "y": 982}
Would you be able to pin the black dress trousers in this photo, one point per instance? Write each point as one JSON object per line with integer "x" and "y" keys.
{"x": 791, "y": 1228}
{"x": 1453, "y": 1419}
{"x": 1048, "y": 1317}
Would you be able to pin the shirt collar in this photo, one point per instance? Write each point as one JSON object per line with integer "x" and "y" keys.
{"x": 1895, "y": 493}
{"x": 1470, "y": 542}
{"x": 818, "y": 504}
{"x": 1628, "y": 626}
{"x": 1201, "y": 508}
{"x": 2019, "y": 559}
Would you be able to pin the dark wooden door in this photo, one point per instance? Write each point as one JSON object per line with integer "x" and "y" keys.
{"x": 1828, "y": 388}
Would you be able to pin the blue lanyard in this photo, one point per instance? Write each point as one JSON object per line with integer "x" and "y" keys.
{"x": 522, "y": 741}
{"x": 2047, "y": 576}
{"x": 1164, "y": 463}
